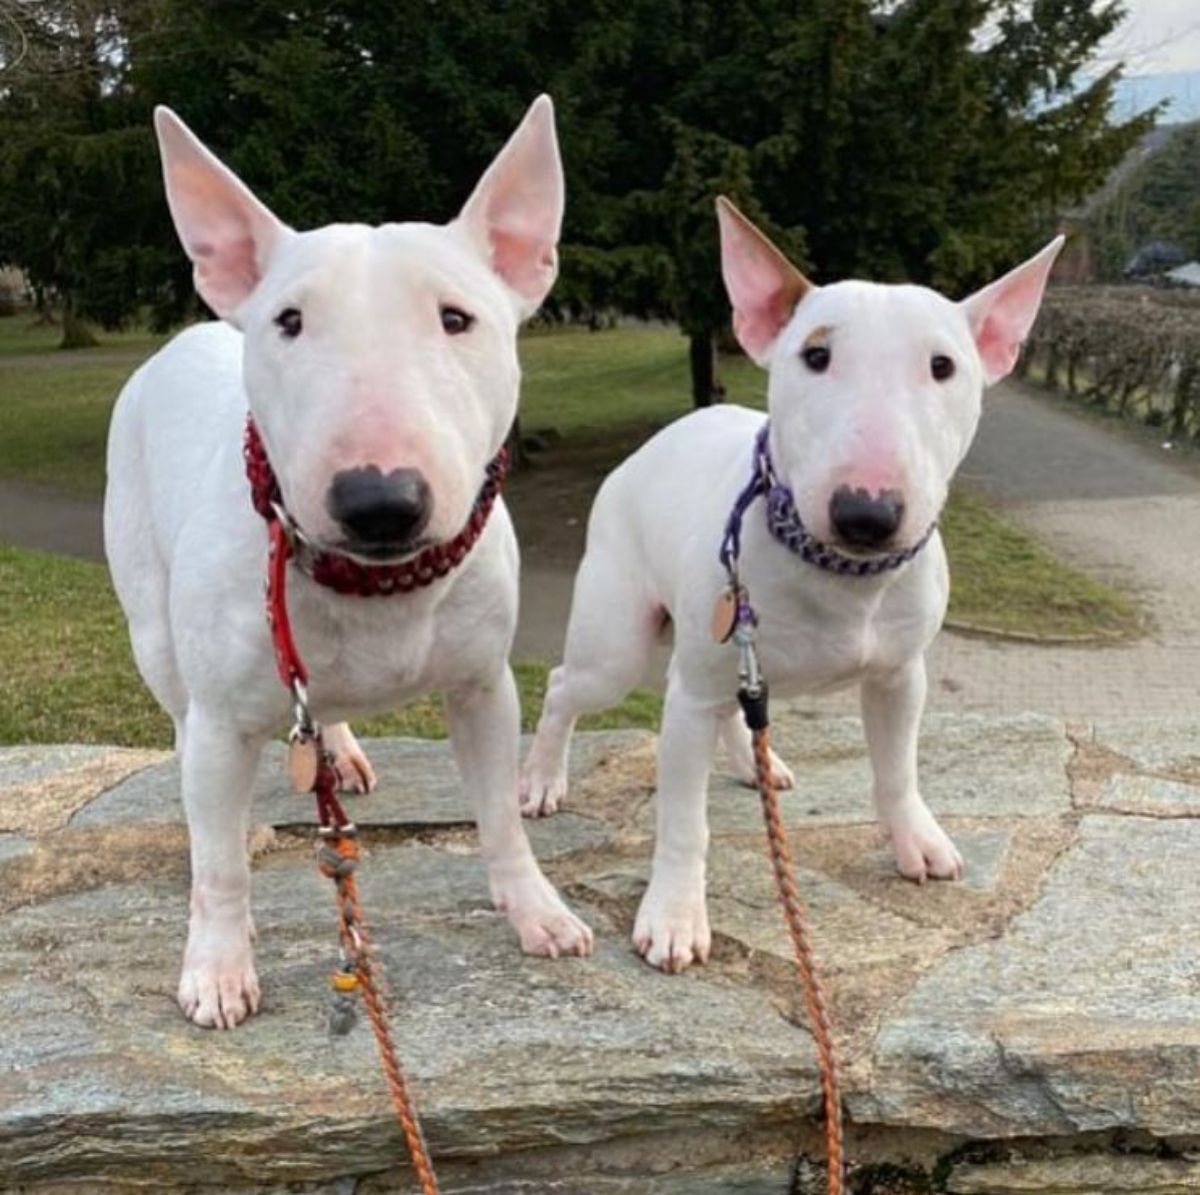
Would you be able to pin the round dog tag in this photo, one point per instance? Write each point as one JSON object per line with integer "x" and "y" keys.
{"x": 302, "y": 763}
{"x": 724, "y": 618}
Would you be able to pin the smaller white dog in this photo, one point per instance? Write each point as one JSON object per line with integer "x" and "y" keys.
{"x": 873, "y": 401}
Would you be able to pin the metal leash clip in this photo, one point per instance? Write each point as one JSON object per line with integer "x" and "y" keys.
{"x": 304, "y": 742}
{"x": 752, "y": 685}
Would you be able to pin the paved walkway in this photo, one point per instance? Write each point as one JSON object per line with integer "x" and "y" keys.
{"x": 1101, "y": 496}
{"x": 1115, "y": 504}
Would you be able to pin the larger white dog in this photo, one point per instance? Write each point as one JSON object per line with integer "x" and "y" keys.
{"x": 380, "y": 367}
{"x": 874, "y": 397}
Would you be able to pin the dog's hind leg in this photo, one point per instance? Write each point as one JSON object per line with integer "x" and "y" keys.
{"x": 218, "y": 987}
{"x": 484, "y": 731}
{"x": 735, "y": 735}
{"x": 614, "y": 623}
{"x": 354, "y": 771}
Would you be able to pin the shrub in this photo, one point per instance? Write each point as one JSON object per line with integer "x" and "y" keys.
{"x": 1134, "y": 351}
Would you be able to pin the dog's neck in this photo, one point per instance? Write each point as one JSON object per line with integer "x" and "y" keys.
{"x": 787, "y": 528}
{"x": 343, "y": 573}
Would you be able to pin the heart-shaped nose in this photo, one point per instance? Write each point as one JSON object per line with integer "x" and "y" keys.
{"x": 380, "y": 509}
{"x": 864, "y": 520}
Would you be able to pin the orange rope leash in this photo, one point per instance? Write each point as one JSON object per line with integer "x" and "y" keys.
{"x": 806, "y": 963}
{"x": 337, "y": 857}
{"x": 311, "y": 770}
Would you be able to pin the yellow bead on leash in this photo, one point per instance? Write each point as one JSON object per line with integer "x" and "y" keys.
{"x": 344, "y": 981}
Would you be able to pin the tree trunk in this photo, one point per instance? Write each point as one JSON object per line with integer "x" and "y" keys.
{"x": 703, "y": 360}
{"x": 76, "y": 334}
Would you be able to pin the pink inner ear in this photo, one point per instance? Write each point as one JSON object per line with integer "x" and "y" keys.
{"x": 999, "y": 346}
{"x": 763, "y": 296}
{"x": 1002, "y": 314}
{"x": 225, "y": 276}
{"x": 527, "y": 263}
{"x": 764, "y": 287}
{"x": 764, "y": 316}
{"x": 226, "y": 232}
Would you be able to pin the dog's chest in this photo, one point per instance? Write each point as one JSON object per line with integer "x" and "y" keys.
{"x": 825, "y": 639}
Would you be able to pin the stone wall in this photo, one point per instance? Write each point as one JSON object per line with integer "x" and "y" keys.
{"x": 1033, "y": 1028}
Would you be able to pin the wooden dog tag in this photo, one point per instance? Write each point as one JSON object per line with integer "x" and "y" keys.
{"x": 724, "y": 617}
{"x": 302, "y": 763}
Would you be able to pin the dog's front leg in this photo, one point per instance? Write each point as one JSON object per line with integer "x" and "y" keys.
{"x": 485, "y": 727}
{"x": 218, "y": 987}
{"x": 671, "y": 930}
{"x": 891, "y": 709}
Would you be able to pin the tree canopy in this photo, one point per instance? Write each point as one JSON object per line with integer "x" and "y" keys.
{"x": 930, "y": 140}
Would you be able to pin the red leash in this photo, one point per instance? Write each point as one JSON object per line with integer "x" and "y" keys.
{"x": 312, "y": 770}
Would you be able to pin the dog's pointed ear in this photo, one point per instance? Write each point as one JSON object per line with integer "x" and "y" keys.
{"x": 764, "y": 287}
{"x": 514, "y": 215}
{"x": 225, "y": 230}
{"x": 1002, "y": 313}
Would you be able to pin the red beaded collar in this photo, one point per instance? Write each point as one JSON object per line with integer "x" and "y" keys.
{"x": 342, "y": 573}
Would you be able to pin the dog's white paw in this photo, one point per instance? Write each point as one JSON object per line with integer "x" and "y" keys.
{"x": 544, "y": 924}
{"x": 671, "y": 930}
{"x": 218, "y": 988}
{"x": 543, "y": 787}
{"x": 782, "y": 775}
{"x": 354, "y": 771}
{"x": 922, "y": 848}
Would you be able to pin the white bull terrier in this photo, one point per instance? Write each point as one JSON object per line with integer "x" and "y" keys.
{"x": 874, "y": 396}
{"x": 380, "y": 367}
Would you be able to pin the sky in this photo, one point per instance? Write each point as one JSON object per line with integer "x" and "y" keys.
{"x": 1157, "y": 37}
{"x": 1159, "y": 42}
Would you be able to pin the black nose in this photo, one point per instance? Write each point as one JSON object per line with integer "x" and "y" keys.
{"x": 865, "y": 521}
{"x": 379, "y": 508}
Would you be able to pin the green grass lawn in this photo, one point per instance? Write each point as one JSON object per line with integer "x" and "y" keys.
{"x": 69, "y": 676}
{"x": 1004, "y": 581}
{"x": 54, "y": 410}
{"x": 24, "y": 335}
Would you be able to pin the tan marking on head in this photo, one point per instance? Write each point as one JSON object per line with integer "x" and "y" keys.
{"x": 818, "y": 336}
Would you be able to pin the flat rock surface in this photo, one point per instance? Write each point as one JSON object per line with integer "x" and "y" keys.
{"x": 1053, "y": 996}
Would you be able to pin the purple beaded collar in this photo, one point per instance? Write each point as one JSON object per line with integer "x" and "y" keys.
{"x": 785, "y": 525}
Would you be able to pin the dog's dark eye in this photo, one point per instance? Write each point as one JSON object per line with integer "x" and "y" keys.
{"x": 290, "y": 322}
{"x": 456, "y": 321}
{"x": 816, "y": 357}
{"x": 941, "y": 367}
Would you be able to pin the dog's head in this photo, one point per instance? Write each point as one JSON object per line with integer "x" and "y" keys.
{"x": 380, "y": 362}
{"x": 874, "y": 391}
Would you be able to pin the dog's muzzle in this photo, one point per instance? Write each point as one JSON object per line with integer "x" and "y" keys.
{"x": 865, "y": 520}
{"x": 786, "y": 526}
{"x": 340, "y": 571}
{"x": 382, "y": 514}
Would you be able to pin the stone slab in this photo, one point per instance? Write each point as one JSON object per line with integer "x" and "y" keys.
{"x": 418, "y": 787}
{"x": 1084, "y": 1016}
{"x": 1094, "y": 1174}
{"x": 1149, "y": 795}
{"x": 14, "y": 846}
{"x": 970, "y": 766}
{"x": 1153, "y": 744}
{"x": 105, "y": 1079}
{"x": 26, "y": 764}
{"x": 1054, "y": 994}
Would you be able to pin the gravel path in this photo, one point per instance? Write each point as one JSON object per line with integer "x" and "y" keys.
{"x": 1101, "y": 496}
